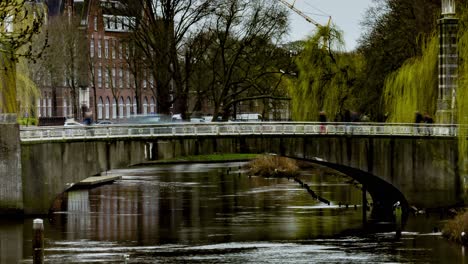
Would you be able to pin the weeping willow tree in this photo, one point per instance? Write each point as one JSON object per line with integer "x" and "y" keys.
{"x": 327, "y": 77}
{"x": 413, "y": 87}
{"x": 20, "y": 21}
{"x": 462, "y": 97}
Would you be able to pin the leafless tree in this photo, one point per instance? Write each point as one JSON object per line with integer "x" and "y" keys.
{"x": 159, "y": 29}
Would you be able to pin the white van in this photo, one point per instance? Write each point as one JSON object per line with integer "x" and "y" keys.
{"x": 249, "y": 117}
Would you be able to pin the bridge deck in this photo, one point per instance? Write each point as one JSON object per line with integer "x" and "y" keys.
{"x": 35, "y": 134}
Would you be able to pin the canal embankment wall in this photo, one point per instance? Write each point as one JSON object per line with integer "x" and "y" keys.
{"x": 11, "y": 192}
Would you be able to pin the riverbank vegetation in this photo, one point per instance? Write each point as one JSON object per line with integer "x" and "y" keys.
{"x": 456, "y": 229}
{"x": 273, "y": 166}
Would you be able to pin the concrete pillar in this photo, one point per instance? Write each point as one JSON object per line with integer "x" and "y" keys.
{"x": 448, "y": 64}
{"x": 11, "y": 187}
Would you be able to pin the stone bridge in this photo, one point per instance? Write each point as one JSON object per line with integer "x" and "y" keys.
{"x": 392, "y": 161}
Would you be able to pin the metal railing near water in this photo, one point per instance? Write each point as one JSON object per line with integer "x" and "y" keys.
{"x": 236, "y": 128}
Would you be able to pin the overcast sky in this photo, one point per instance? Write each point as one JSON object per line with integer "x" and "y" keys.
{"x": 346, "y": 14}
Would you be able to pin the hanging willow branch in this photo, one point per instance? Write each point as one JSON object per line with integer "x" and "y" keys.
{"x": 413, "y": 87}
{"x": 327, "y": 77}
{"x": 20, "y": 21}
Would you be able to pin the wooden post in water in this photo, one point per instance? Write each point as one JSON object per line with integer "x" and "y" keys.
{"x": 398, "y": 215}
{"x": 38, "y": 241}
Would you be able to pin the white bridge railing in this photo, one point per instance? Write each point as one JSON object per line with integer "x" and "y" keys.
{"x": 235, "y": 128}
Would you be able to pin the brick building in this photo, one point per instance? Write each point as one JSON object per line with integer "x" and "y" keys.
{"x": 110, "y": 92}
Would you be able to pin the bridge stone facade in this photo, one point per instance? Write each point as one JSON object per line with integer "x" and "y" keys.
{"x": 423, "y": 169}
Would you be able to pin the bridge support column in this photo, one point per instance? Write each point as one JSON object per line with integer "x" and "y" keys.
{"x": 11, "y": 189}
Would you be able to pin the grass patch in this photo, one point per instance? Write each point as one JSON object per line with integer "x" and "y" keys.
{"x": 273, "y": 166}
{"x": 454, "y": 228}
{"x": 211, "y": 157}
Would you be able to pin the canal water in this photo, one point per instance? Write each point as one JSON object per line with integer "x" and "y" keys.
{"x": 215, "y": 213}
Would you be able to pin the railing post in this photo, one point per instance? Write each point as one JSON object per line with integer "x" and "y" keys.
{"x": 38, "y": 241}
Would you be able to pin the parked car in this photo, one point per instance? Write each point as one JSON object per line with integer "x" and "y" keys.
{"x": 149, "y": 119}
{"x": 249, "y": 117}
{"x": 197, "y": 120}
{"x": 72, "y": 123}
{"x": 103, "y": 123}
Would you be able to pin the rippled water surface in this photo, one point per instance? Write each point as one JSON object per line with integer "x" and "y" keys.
{"x": 213, "y": 213}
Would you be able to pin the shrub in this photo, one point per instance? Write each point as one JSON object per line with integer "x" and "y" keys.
{"x": 273, "y": 166}
{"x": 27, "y": 121}
{"x": 453, "y": 228}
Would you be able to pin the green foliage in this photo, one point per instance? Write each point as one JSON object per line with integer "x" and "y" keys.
{"x": 8, "y": 102}
{"x": 27, "y": 91}
{"x": 462, "y": 92}
{"x": 327, "y": 77}
{"x": 28, "y": 121}
{"x": 16, "y": 87}
{"x": 413, "y": 87}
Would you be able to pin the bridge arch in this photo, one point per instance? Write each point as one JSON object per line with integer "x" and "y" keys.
{"x": 384, "y": 194}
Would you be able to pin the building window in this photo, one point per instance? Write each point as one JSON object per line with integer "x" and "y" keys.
{"x": 107, "y": 108}
{"x": 106, "y": 48}
{"x": 114, "y": 108}
{"x": 95, "y": 23}
{"x": 145, "y": 106}
{"x": 113, "y": 84}
{"x": 99, "y": 70}
{"x": 44, "y": 106}
{"x": 91, "y": 48}
{"x": 99, "y": 48}
{"x": 111, "y": 23}
{"x": 100, "y": 105}
{"x": 107, "y": 79}
{"x": 144, "y": 79}
{"x": 135, "y": 110}
{"x": 120, "y": 50}
{"x": 114, "y": 47}
{"x": 121, "y": 77}
{"x": 151, "y": 81}
{"x": 38, "y": 107}
{"x": 128, "y": 79}
{"x": 152, "y": 106}
{"x": 65, "y": 107}
{"x": 49, "y": 107}
{"x": 121, "y": 107}
{"x": 129, "y": 107}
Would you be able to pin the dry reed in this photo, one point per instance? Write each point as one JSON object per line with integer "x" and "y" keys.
{"x": 454, "y": 228}
{"x": 273, "y": 166}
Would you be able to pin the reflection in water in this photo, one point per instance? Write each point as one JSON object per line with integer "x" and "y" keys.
{"x": 11, "y": 241}
{"x": 193, "y": 205}
{"x": 201, "y": 214}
